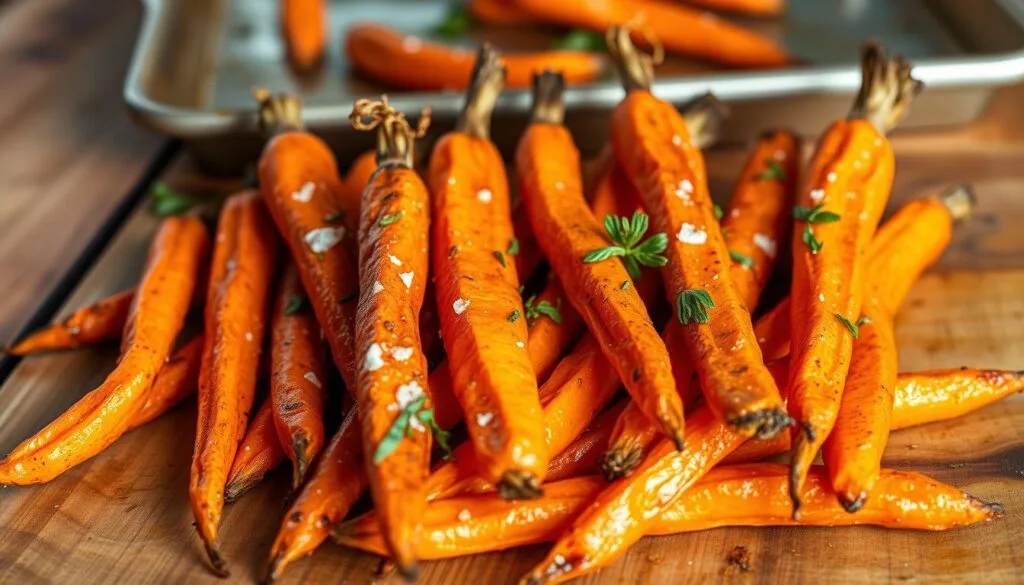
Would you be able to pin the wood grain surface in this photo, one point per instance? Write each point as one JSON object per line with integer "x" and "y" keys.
{"x": 124, "y": 516}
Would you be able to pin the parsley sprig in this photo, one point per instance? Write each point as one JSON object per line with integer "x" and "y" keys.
{"x": 854, "y": 327}
{"x": 741, "y": 259}
{"x": 773, "y": 172}
{"x": 295, "y": 304}
{"x": 402, "y": 428}
{"x": 625, "y": 233}
{"x": 813, "y": 215}
{"x": 536, "y": 309}
{"x": 692, "y": 306}
{"x": 456, "y": 24}
{"x": 166, "y": 202}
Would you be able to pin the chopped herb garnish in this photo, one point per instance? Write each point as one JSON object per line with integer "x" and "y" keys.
{"x": 692, "y": 306}
{"x": 452, "y": 251}
{"x": 440, "y": 435}
{"x": 401, "y": 428}
{"x": 813, "y": 243}
{"x": 166, "y": 202}
{"x": 581, "y": 40}
{"x": 718, "y": 212}
{"x": 853, "y": 327}
{"x": 500, "y": 257}
{"x": 864, "y": 320}
{"x": 295, "y": 304}
{"x": 741, "y": 259}
{"x": 456, "y": 23}
{"x": 513, "y": 247}
{"x": 626, "y": 234}
{"x": 390, "y": 219}
{"x": 514, "y": 316}
{"x": 337, "y": 217}
{"x": 814, "y": 214}
{"x": 625, "y": 284}
{"x": 772, "y": 172}
{"x": 537, "y": 309}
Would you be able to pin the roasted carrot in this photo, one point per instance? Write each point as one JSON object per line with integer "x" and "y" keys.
{"x": 157, "y": 314}
{"x": 244, "y": 256}
{"x": 681, "y": 29}
{"x": 408, "y": 62}
{"x": 304, "y": 28}
{"x": 259, "y": 452}
{"x": 482, "y": 314}
{"x": 393, "y": 396}
{"x": 337, "y": 481}
{"x": 654, "y": 147}
{"x": 547, "y": 166}
{"x": 741, "y": 495}
{"x": 773, "y": 334}
{"x": 756, "y": 7}
{"x": 846, "y": 191}
{"x": 581, "y": 456}
{"x": 100, "y": 321}
{"x": 176, "y": 381}
{"x": 355, "y": 181}
{"x": 499, "y": 12}
{"x": 853, "y": 450}
{"x": 300, "y": 183}
{"x": 298, "y": 374}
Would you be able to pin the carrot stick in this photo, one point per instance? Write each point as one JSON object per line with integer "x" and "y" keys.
{"x": 156, "y": 316}
{"x": 547, "y": 165}
{"x": 853, "y": 450}
{"x": 300, "y": 184}
{"x": 754, "y": 7}
{"x": 654, "y": 147}
{"x": 773, "y": 333}
{"x": 742, "y": 495}
{"x": 499, "y": 12}
{"x": 846, "y": 192}
{"x": 356, "y": 180}
{"x": 393, "y": 398}
{"x": 407, "y": 62}
{"x": 100, "y": 321}
{"x": 304, "y": 27}
{"x": 481, "y": 311}
{"x": 176, "y": 381}
{"x": 259, "y": 452}
{"x": 581, "y": 456}
{"x": 298, "y": 375}
{"x": 681, "y": 29}
{"x": 244, "y": 256}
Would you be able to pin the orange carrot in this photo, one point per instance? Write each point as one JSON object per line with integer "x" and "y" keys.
{"x": 654, "y": 147}
{"x": 408, "y": 62}
{"x": 755, "y": 7}
{"x": 156, "y": 316}
{"x": 481, "y": 311}
{"x": 773, "y": 334}
{"x": 356, "y": 180}
{"x": 300, "y": 183}
{"x": 393, "y": 398}
{"x": 681, "y": 29}
{"x": 176, "y": 381}
{"x": 244, "y": 256}
{"x": 304, "y": 27}
{"x": 547, "y": 165}
{"x": 100, "y": 321}
{"x": 259, "y": 452}
{"x": 298, "y": 375}
{"x": 499, "y": 12}
{"x": 581, "y": 456}
{"x": 845, "y": 194}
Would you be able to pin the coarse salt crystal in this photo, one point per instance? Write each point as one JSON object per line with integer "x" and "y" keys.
{"x": 484, "y": 195}
{"x": 484, "y": 418}
{"x": 305, "y": 193}
{"x": 821, "y": 297}
{"x": 395, "y": 260}
{"x": 460, "y": 306}
{"x": 322, "y": 239}
{"x": 377, "y": 287}
{"x": 408, "y": 393}
{"x": 374, "y": 358}
{"x": 765, "y": 243}
{"x": 464, "y": 515}
{"x": 313, "y": 379}
{"x": 691, "y": 234}
{"x": 817, "y": 195}
{"x": 831, "y": 178}
{"x": 406, "y": 278}
{"x": 520, "y": 344}
{"x": 401, "y": 353}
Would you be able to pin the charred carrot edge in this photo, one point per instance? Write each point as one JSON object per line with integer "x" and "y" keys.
{"x": 300, "y": 184}
{"x": 157, "y": 315}
{"x": 753, "y": 7}
{"x": 176, "y": 381}
{"x": 393, "y": 396}
{"x": 336, "y": 482}
{"x": 740, "y": 495}
{"x": 100, "y": 321}
{"x": 499, "y": 12}
{"x": 481, "y": 311}
{"x": 304, "y": 27}
{"x": 237, "y": 300}
{"x": 853, "y": 450}
{"x": 259, "y": 452}
{"x": 654, "y": 147}
{"x": 408, "y": 62}
{"x": 547, "y": 166}
{"x": 581, "y": 456}
{"x": 853, "y": 158}
{"x": 681, "y": 29}
{"x": 298, "y": 374}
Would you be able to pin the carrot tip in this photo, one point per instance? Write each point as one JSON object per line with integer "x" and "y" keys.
{"x": 764, "y": 424}
{"x": 619, "y": 462}
{"x": 519, "y": 485}
{"x": 274, "y": 568}
{"x": 217, "y": 562}
{"x": 853, "y": 505}
{"x": 239, "y": 487}
{"x": 994, "y": 509}
{"x": 409, "y": 571}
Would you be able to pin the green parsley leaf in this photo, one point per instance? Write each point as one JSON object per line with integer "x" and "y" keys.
{"x": 581, "y": 40}
{"x": 166, "y": 202}
{"x": 513, "y": 247}
{"x": 456, "y": 23}
{"x": 398, "y": 430}
{"x": 390, "y": 219}
{"x": 773, "y": 172}
{"x": 337, "y": 217}
{"x": 442, "y": 436}
{"x": 500, "y": 257}
{"x": 626, "y": 234}
{"x": 295, "y": 304}
{"x": 741, "y": 259}
{"x": 718, "y": 212}
{"x": 812, "y": 242}
{"x": 814, "y": 214}
{"x": 853, "y": 327}
{"x": 535, "y": 310}
{"x": 692, "y": 306}
{"x": 514, "y": 316}
{"x": 625, "y": 284}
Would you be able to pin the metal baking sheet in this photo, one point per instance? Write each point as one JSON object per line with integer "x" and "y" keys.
{"x": 197, "y": 61}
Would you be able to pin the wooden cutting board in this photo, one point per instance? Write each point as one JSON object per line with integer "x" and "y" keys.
{"x": 124, "y": 516}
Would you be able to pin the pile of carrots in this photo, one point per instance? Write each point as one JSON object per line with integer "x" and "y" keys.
{"x": 441, "y": 299}
{"x": 408, "y": 62}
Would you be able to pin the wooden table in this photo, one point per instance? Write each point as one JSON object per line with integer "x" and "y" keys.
{"x": 71, "y": 159}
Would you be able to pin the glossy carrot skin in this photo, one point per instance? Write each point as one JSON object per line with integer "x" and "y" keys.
{"x": 940, "y": 395}
{"x": 100, "y": 321}
{"x": 853, "y": 450}
{"x": 405, "y": 62}
{"x": 175, "y": 381}
{"x": 753, "y": 7}
{"x": 654, "y": 147}
{"x": 547, "y": 166}
{"x": 304, "y": 27}
{"x": 237, "y": 300}
{"x": 773, "y": 333}
{"x": 580, "y": 458}
{"x": 157, "y": 314}
{"x": 298, "y": 373}
{"x": 741, "y": 495}
{"x": 337, "y": 481}
{"x": 499, "y": 12}
{"x": 259, "y": 452}
{"x": 679, "y": 28}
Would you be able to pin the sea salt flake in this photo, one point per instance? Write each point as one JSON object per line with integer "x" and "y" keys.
{"x": 765, "y": 243}
{"x": 374, "y": 358}
{"x": 305, "y": 193}
{"x": 377, "y": 287}
{"x": 484, "y": 195}
{"x": 484, "y": 418}
{"x": 401, "y": 353}
{"x": 520, "y": 344}
{"x": 691, "y": 234}
{"x": 322, "y": 239}
{"x": 395, "y": 260}
{"x": 313, "y": 379}
{"x": 406, "y": 394}
{"x": 817, "y": 195}
{"x": 460, "y": 306}
{"x": 464, "y": 515}
{"x": 406, "y": 278}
